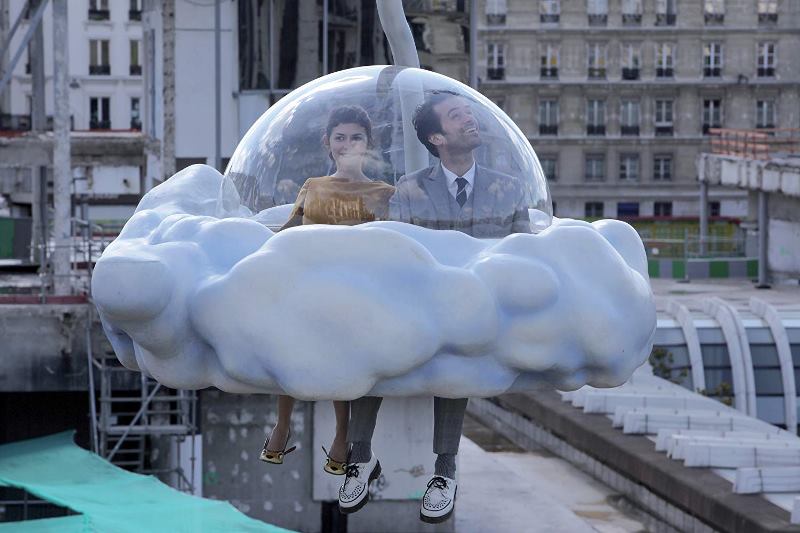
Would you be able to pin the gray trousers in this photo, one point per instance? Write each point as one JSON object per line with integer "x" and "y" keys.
{"x": 448, "y": 418}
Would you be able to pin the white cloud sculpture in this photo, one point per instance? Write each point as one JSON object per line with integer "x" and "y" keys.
{"x": 195, "y": 292}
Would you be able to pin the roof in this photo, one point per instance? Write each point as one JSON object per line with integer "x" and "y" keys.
{"x": 106, "y": 497}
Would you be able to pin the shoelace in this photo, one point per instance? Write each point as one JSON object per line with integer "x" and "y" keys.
{"x": 438, "y": 482}
{"x": 351, "y": 471}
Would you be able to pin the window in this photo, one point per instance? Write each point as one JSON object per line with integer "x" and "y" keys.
{"x": 98, "y": 10}
{"x": 596, "y": 57}
{"x": 549, "y": 61}
{"x": 765, "y": 114}
{"x": 596, "y": 117}
{"x": 663, "y": 117}
{"x": 496, "y": 12}
{"x": 549, "y": 11}
{"x": 550, "y": 167}
{"x": 548, "y": 117}
{"x": 766, "y": 60}
{"x": 630, "y": 61}
{"x": 714, "y": 12}
{"x": 662, "y": 167}
{"x": 631, "y": 12}
{"x": 627, "y": 209}
{"x": 100, "y": 113}
{"x": 629, "y": 117}
{"x": 135, "y": 67}
{"x": 629, "y": 167}
{"x": 662, "y": 209}
{"x": 712, "y": 60}
{"x": 98, "y": 57}
{"x": 664, "y": 55}
{"x": 136, "y": 117}
{"x": 597, "y": 11}
{"x": 496, "y": 62}
{"x": 767, "y": 12}
{"x": 135, "y": 10}
{"x": 593, "y": 209}
{"x": 712, "y": 115}
{"x": 595, "y": 167}
{"x": 666, "y": 12}
{"x": 713, "y": 209}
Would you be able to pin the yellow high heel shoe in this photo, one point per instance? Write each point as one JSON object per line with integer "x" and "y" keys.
{"x": 276, "y": 458}
{"x": 332, "y": 466}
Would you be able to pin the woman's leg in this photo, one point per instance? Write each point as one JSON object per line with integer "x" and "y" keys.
{"x": 338, "y": 449}
{"x": 280, "y": 433}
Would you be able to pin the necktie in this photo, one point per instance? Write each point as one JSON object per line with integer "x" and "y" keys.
{"x": 461, "y": 195}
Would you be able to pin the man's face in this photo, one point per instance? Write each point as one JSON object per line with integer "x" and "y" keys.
{"x": 459, "y": 126}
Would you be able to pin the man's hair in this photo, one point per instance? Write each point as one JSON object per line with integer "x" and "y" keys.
{"x": 350, "y": 114}
{"x": 427, "y": 122}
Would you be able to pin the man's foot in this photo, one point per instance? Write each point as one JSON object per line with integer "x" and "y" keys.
{"x": 354, "y": 492}
{"x": 439, "y": 500}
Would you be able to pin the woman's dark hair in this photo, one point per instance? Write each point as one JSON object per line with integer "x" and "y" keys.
{"x": 427, "y": 122}
{"x": 350, "y": 114}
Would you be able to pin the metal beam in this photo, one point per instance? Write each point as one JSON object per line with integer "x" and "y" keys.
{"x": 35, "y": 21}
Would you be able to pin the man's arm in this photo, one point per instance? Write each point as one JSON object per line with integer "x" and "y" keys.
{"x": 400, "y": 203}
{"x": 522, "y": 220}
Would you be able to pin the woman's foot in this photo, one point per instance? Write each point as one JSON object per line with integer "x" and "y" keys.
{"x": 278, "y": 439}
{"x": 337, "y": 457}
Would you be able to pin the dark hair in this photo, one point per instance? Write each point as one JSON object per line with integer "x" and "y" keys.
{"x": 427, "y": 122}
{"x": 350, "y": 114}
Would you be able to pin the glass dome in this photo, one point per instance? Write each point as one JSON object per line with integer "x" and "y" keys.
{"x": 393, "y": 143}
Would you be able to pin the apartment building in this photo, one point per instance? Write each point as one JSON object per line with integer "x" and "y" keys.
{"x": 617, "y": 96}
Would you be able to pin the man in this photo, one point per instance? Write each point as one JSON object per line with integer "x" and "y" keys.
{"x": 454, "y": 194}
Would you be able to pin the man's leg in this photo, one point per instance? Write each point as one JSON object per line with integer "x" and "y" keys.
{"x": 363, "y": 417}
{"x": 448, "y": 419}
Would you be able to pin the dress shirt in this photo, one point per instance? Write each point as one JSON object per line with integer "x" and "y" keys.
{"x": 451, "y": 177}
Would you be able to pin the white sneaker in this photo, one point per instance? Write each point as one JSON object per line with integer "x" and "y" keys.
{"x": 439, "y": 500}
{"x": 354, "y": 492}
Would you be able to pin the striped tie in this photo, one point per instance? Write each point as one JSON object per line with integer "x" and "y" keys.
{"x": 461, "y": 195}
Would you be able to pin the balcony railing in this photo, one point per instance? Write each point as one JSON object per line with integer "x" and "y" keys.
{"x": 497, "y": 73}
{"x": 549, "y": 19}
{"x": 631, "y": 19}
{"x": 135, "y": 14}
{"x": 630, "y": 73}
{"x": 597, "y": 73}
{"x": 714, "y": 19}
{"x": 99, "y": 124}
{"x": 548, "y": 129}
{"x": 598, "y": 19}
{"x": 594, "y": 177}
{"x": 712, "y": 72}
{"x": 496, "y": 19}
{"x": 708, "y": 127}
{"x": 767, "y": 18}
{"x": 595, "y": 129}
{"x": 755, "y": 144}
{"x": 629, "y": 130}
{"x": 549, "y": 73}
{"x": 100, "y": 70}
{"x": 136, "y": 124}
{"x": 665, "y": 19}
{"x": 664, "y": 131}
{"x": 664, "y": 72}
{"x": 136, "y": 70}
{"x": 99, "y": 14}
{"x": 766, "y": 72}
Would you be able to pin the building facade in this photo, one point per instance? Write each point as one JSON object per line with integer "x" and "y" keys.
{"x": 617, "y": 96}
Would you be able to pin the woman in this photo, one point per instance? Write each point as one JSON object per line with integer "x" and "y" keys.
{"x": 347, "y": 197}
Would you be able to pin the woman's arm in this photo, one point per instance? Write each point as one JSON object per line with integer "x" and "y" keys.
{"x": 296, "y": 217}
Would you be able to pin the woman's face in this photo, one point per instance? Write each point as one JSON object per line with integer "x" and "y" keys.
{"x": 348, "y": 144}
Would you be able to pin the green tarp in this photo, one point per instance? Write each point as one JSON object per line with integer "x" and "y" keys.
{"x": 108, "y": 498}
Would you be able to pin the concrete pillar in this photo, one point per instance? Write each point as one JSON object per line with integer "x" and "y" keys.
{"x": 38, "y": 124}
{"x": 763, "y": 224}
{"x": 703, "y": 216}
{"x": 473, "y": 44}
{"x": 168, "y": 72}
{"x": 62, "y": 166}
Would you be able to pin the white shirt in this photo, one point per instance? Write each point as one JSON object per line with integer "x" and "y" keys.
{"x": 451, "y": 177}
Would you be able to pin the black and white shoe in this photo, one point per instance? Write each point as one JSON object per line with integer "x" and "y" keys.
{"x": 439, "y": 500}
{"x": 354, "y": 492}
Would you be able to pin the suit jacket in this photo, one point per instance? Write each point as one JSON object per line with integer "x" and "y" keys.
{"x": 496, "y": 207}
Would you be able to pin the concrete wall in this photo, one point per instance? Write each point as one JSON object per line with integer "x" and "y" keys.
{"x": 783, "y": 248}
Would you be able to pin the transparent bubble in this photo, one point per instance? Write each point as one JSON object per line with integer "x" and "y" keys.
{"x": 348, "y": 148}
